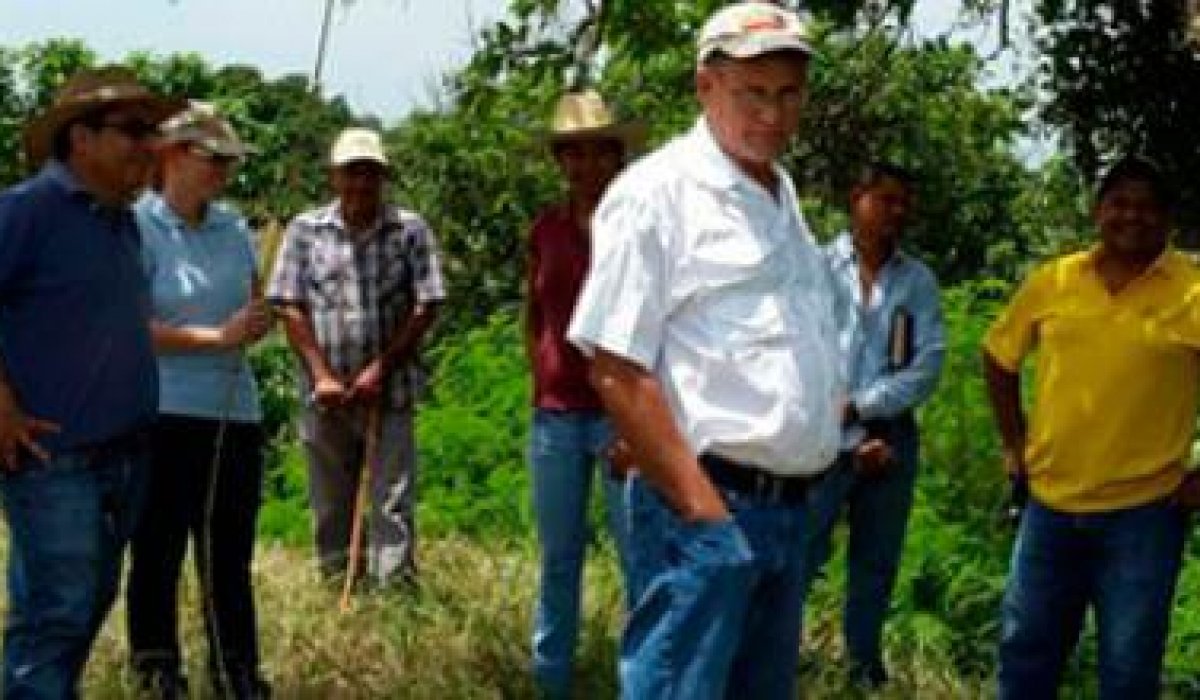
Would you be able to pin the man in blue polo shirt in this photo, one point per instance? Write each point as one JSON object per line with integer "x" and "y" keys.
{"x": 78, "y": 380}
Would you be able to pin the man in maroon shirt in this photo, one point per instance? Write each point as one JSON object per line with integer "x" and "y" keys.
{"x": 570, "y": 430}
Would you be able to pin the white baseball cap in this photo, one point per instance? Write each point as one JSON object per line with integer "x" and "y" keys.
{"x": 751, "y": 29}
{"x": 357, "y": 143}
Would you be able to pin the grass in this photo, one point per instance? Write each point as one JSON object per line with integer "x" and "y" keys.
{"x": 462, "y": 635}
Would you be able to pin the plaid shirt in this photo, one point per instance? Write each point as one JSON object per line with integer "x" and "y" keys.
{"x": 358, "y": 291}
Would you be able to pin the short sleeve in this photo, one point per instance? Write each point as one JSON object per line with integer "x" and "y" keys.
{"x": 1013, "y": 333}
{"x": 146, "y": 235}
{"x": 625, "y": 299}
{"x": 286, "y": 284}
{"x": 425, "y": 261}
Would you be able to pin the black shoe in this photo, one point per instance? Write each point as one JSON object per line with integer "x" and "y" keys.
{"x": 242, "y": 683}
{"x": 161, "y": 681}
{"x": 868, "y": 676}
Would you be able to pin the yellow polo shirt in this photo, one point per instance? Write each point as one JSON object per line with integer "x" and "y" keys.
{"x": 1116, "y": 379}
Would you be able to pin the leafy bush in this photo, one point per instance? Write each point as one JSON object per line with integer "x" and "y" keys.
{"x": 471, "y": 433}
{"x": 284, "y": 516}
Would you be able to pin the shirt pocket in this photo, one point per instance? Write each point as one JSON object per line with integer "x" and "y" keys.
{"x": 741, "y": 282}
{"x": 395, "y": 271}
{"x": 330, "y": 279}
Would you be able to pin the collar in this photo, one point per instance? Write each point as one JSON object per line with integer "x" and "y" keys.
{"x": 60, "y": 174}
{"x": 709, "y": 164}
{"x": 161, "y": 210}
{"x": 843, "y": 252}
{"x": 1165, "y": 265}
{"x": 331, "y": 215}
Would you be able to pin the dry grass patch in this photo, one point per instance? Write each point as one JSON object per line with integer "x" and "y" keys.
{"x": 463, "y": 634}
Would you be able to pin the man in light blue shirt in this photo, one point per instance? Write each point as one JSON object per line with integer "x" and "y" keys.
{"x": 892, "y": 342}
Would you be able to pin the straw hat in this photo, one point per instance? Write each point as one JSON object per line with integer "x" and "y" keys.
{"x": 582, "y": 116}
{"x": 87, "y": 91}
{"x": 202, "y": 125}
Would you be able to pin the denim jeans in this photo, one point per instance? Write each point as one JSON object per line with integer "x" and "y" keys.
{"x": 720, "y": 614}
{"x": 566, "y": 446}
{"x": 69, "y": 522}
{"x": 876, "y": 509}
{"x": 1123, "y": 564}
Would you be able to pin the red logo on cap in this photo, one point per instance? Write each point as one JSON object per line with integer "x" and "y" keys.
{"x": 757, "y": 24}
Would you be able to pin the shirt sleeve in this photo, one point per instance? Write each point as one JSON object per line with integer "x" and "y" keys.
{"x": 287, "y": 282}
{"x": 146, "y": 248}
{"x": 625, "y": 299}
{"x": 1014, "y": 332}
{"x": 533, "y": 262}
{"x": 249, "y": 243}
{"x": 1182, "y": 319}
{"x": 894, "y": 393}
{"x": 428, "y": 284}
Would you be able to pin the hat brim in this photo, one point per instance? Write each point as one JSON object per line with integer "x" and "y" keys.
{"x": 350, "y": 158}
{"x": 631, "y": 134}
{"x": 757, "y": 45}
{"x": 218, "y": 146}
{"x": 39, "y": 134}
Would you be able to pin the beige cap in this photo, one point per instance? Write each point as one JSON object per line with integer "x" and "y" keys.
{"x": 583, "y": 115}
{"x": 202, "y": 125}
{"x": 357, "y": 143}
{"x": 751, "y": 29}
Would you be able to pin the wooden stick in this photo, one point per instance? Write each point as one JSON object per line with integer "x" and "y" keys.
{"x": 362, "y": 504}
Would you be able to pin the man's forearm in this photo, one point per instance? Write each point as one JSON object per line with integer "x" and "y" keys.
{"x": 169, "y": 339}
{"x": 639, "y": 410}
{"x": 403, "y": 343}
{"x": 1004, "y": 392}
{"x": 8, "y": 398}
{"x": 303, "y": 339}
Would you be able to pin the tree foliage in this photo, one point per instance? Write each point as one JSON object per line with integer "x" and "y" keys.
{"x": 478, "y": 169}
{"x": 289, "y": 125}
{"x": 1120, "y": 77}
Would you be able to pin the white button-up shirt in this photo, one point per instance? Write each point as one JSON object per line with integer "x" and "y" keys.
{"x": 717, "y": 288}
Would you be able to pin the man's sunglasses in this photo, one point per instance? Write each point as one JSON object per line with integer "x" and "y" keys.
{"x": 135, "y": 129}
{"x": 215, "y": 158}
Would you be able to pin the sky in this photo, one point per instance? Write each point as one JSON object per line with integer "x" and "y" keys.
{"x": 384, "y": 56}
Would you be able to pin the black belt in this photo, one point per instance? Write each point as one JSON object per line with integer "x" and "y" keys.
{"x": 754, "y": 482}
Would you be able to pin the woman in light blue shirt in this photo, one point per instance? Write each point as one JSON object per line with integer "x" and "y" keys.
{"x": 206, "y": 479}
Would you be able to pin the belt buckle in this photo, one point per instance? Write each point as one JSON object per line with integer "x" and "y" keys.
{"x": 777, "y": 487}
{"x": 768, "y": 487}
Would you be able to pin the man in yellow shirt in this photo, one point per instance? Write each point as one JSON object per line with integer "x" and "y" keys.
{"x": 1117, "y": 329}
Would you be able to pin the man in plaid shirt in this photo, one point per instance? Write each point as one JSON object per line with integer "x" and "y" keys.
{"x": 358, "y": 283}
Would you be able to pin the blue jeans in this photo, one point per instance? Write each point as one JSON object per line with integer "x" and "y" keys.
{"x": 69, "y": 522}
{"x": 1123, "y": 564}
{"x": 566, "y": 447}
{"x": 720, "y": 614}
{"x": 876, "y": 509}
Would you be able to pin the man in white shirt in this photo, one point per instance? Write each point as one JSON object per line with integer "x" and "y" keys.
{"x": 709, "y": 317}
